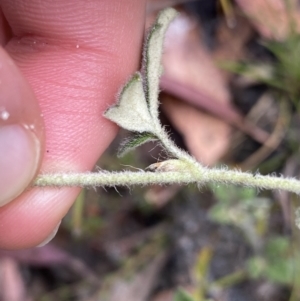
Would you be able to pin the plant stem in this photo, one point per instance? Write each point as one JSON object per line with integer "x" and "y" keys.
{"x": 199, "y": 175}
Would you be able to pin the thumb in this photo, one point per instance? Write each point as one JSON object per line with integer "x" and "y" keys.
{"x": 21, "y": 131}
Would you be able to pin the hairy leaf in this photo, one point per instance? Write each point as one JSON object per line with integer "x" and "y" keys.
{"x": 152, "y": 58}
{"x": 135, "y": 141}
{"x": 131, "y": 112}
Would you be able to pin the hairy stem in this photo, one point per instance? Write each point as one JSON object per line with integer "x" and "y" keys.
{"x": 199, "y": 176}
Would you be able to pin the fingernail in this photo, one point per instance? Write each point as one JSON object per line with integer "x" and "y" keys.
{"x": 21, "y": 131}
{"x": 50, "y": 237}
{"x": 19, "y": 158}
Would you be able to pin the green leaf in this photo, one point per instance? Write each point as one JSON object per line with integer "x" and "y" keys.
{"x": 135, "y": 141}
{"x": 181, "y": 295}
{"x": 152, "y": 58}
{"x": 277, "y": 265}
{"x": 256, "y": 267}
{"x": 261, "y": 73}
{"x": 131, "y": 113}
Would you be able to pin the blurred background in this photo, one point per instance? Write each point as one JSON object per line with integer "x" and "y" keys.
{"x": 230, "y": 95}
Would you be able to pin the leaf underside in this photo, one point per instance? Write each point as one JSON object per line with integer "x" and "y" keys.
{"x": 134, "y": 141}
{"x": 131, "y": 113}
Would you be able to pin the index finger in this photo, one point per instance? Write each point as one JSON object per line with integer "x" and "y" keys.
{"x": 75, "y": 55}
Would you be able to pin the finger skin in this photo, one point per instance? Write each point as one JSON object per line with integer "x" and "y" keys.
{"x": 21, "y": 131}
{"x": 75, "y": 55}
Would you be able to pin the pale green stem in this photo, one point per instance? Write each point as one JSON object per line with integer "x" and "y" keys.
{"x": 199, "y": 176}
{"x": 172, "y": 148}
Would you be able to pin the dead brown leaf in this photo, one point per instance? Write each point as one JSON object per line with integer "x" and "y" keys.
{"x": 272, "y": 18}
{"x": 188, "y": 62}
{"x": 160, "y": 195}
{"x": 50, "y": 255}
{"x": 167, "y": 295}
{"x": 206, "y": 137}
{"x": 139, "y": 288}
{"x": 231, "y": 41}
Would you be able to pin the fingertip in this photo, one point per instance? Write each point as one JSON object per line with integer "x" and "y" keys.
{"x": 21, "y": 131}
{"x": 32, "y": 217}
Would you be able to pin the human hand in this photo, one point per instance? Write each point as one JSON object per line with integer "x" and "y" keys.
{"x": 75, "y": 55}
